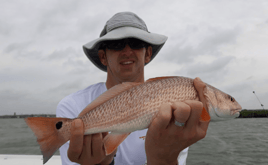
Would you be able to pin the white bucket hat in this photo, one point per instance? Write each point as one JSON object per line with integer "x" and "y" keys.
{"x": 123, "y": 25}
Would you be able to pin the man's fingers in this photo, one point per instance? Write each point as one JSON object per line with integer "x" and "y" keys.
{"x": 76, "y": 140}
{"x": 196, "y": 110}
{"x": 104, "y": 134}
{"x": 181, "y": 111}
{"x": 163, "y": 118}
{"x": 97, "y": 146}
{"x": 86, "y": 153}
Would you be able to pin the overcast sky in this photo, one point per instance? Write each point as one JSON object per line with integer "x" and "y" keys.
{"x": 225, "y": 43}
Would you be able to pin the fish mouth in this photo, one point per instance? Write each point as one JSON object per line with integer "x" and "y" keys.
{"x": 232, "y": 114}
{"x": 236, "y": 112}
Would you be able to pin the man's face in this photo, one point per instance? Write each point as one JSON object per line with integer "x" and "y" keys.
{"x": 126, "y": 65}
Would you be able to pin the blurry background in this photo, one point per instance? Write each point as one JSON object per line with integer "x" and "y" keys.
{"x": 41, "y": 57}
{"x": 222, "y": 42}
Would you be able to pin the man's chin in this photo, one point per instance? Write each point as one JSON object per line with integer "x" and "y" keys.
{"x": 129, "y": 76}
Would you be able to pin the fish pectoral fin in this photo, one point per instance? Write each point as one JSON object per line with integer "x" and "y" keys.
{"x": 205, "y": 115}
{"x": 201, "y": 87}
{"x": 112, "y": 141}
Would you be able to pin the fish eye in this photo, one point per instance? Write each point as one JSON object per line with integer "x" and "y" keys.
{"x": 231, "y": 98}
{"x": 59, "y": 125}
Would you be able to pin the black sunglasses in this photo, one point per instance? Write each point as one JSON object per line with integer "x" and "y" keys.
{"x": 121, "y": 44}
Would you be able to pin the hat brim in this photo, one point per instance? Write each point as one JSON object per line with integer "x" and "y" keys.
{"x": 155, "y": 40}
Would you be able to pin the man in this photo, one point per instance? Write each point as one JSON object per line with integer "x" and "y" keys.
{"x": 125, "y": 46}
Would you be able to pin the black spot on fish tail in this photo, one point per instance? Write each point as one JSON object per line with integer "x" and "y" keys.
{"x": 59, "y": 125}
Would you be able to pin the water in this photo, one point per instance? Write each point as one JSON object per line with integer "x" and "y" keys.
{"x": 239, "y": 141}
{"x": 233, "y": 142}
{"x": 17, "y": 138}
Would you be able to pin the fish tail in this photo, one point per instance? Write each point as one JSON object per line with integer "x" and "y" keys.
{"x": 47, "y": 131}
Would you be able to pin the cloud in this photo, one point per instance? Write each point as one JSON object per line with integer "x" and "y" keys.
{"x": 62, "y": 54}
{"x": 242, "y": 91}
{"x": 4, "y": 29}
{"x": 199, "y": 41}
{"x": 210, "y": 72}
{"x": 67, "y": 88}
{"x": 7, "y": 95}
{"x": 209, "y": 68}
{"x": 21, "y": 51}
{"x": 239, "y": 87}
{"x": 18, "y": 47}
{"x": 24, "y": 103}
{"x": 42, "y": 58}
{"x": 250, "y": 77}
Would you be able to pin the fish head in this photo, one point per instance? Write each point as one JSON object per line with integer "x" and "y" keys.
{"x": 221, "y": 105}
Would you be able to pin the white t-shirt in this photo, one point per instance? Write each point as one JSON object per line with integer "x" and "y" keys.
{"x": 130, "y": 152}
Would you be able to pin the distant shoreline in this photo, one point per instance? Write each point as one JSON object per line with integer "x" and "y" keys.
{"x": 25, "y": 116}
{"x": 245, "y": 113}
{"x": 257, "y": 113}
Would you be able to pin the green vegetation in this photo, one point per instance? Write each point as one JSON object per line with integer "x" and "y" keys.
{"x": 253, "y": 113}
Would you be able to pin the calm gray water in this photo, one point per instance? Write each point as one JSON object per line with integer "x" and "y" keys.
{"x": 238, "y": 141}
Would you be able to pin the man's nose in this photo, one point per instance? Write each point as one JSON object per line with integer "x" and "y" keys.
{"x": 127, "y": 50}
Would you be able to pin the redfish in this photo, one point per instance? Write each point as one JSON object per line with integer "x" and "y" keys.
{"x": 128, "y": 107}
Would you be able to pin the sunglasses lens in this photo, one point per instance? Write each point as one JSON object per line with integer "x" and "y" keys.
{"x": 136, "y": 44}
{"x": 116, "y": 44}
{"x": 120, "y": 44}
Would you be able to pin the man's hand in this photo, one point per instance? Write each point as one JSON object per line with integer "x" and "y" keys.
{"x": 165, "y": 140}
{"x": 88, "y": 149}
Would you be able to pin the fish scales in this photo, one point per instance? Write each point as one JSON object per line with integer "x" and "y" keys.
{"x": 129, "y": 107}
{"x": 135, "y": 108}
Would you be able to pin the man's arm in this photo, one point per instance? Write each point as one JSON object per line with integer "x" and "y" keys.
{"x": 165, "y": 140}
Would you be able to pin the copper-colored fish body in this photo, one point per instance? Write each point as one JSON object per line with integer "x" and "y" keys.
{"x": 129, "y": 106}
{"x": 136, "y": 107}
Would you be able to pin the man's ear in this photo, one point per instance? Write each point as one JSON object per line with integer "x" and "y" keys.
{"x": 148, "y": 54}
{"x": 102, "y": 56}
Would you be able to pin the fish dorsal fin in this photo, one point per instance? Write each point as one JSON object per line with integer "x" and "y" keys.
{"x": 112, "y": 92}
{"x": 159, "y": 78}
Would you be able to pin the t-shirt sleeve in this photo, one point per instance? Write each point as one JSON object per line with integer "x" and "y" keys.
{"x": 183, "y": 156}
{"x": 66, "y": 108}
